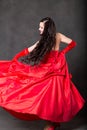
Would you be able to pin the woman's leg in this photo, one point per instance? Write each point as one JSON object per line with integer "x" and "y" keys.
{"x": 51, "y": 125}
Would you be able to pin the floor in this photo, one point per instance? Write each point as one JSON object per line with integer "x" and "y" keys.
{"x": 8, "y": 122}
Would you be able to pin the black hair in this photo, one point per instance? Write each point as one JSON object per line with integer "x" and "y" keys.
{"x": 45, "y": 44}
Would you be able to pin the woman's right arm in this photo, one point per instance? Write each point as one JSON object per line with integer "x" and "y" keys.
{"x": 64, "y": 38}
{"x": 71, "y": 43}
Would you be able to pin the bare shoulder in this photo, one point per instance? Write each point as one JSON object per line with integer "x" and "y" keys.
{"x": 63, "y": 38}
{"x": 57, "y": 35}
{"x": 33, "y": 46}
{"x": 58, "y": 39}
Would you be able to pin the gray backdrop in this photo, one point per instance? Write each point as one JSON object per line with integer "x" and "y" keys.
{"x": 19, "y": 20}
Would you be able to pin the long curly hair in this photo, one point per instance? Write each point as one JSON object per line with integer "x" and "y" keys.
{"x": 45, "y": 44}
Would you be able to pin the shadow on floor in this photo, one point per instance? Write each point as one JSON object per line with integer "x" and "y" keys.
{"x": 8, "y": 122}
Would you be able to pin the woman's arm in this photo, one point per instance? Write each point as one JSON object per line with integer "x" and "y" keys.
{"x": 32, "y": 47}
{"x": 20, "y": 54}
{"x": 71, "y": 43}
{"x": 64, "y": 38}
{"x": 24, "y": 52}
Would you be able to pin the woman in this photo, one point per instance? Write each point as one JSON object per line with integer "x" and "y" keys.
{"x": 40, "y": 86}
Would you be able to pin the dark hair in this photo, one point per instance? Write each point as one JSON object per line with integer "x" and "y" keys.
{"x": 45, "y": 44}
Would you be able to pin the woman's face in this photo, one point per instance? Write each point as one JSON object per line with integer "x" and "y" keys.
{"x": 41, "y": 28}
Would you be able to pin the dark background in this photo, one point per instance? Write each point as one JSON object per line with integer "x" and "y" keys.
{"x": 19, "y": 21}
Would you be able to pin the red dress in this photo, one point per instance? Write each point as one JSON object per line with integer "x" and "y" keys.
{"x": 40, "y": 92}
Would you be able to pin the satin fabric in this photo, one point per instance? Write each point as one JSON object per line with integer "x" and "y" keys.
{"x": 44, "y": 91}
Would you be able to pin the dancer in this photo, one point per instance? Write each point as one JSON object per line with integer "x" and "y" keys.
{"x": 36, "y": 83}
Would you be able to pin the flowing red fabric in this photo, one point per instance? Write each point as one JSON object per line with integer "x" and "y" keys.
{"x": 44, "y": 91}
